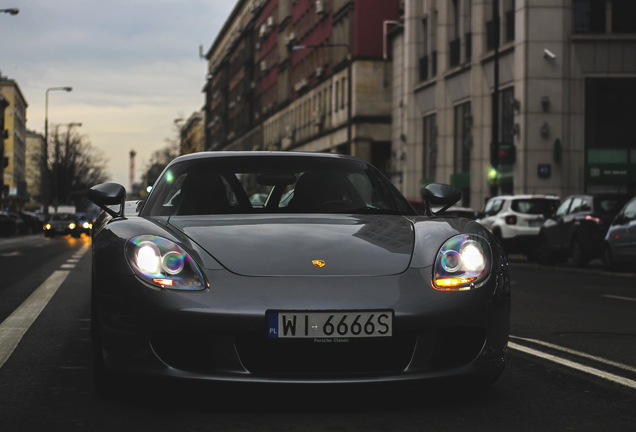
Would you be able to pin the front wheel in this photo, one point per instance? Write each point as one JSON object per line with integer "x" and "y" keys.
{"x": 608, "y": 259}
{"x": 544, "y": 256}
{"x": 579, "y": 256}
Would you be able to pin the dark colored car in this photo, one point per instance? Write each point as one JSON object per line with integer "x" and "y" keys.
{"x": 334, "y": 279}
{"x": 62, "y": 224}
{"x": 21, "y": 226}
{"x": 85, "y": 225}
{"x": 32, "y": 223}
{"x": 8, "y": 226}
{"x": 577, "y": 229}
{"x": 620, "y": 242}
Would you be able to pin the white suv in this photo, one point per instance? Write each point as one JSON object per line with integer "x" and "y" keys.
{"x": 515, "y": 220}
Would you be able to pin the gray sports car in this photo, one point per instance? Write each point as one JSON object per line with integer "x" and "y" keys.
{"x": 330, "y": 276}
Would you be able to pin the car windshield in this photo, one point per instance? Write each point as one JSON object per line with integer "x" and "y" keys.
{"x": 534, "y": 206}
{"x": 273, "y": 184}
{"x": 65, "y": 217}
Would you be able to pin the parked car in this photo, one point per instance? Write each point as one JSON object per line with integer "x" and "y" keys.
{"x": 62, "y": 224}
{"x": 515, "y": 220}
{"x": 335, "y": 280}
{"x": 37, "y": 220}
{"x": 19, "y": 222}
{"x": 8, "y": 226}
{"x": 577, "y": 229}
{"x": 619, "y": 246}
{"x": 464, "y": 212}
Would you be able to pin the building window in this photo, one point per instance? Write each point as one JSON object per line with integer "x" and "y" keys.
{"x": 463, "y": 143}
{"x": 423, "y": 63}
{"x": 337, "y": 104}
{"x": 509, "y": 20}
{"x": 589, "y": 16}
{"x": 623, "y": 16}
{"x": 429, "y": 153}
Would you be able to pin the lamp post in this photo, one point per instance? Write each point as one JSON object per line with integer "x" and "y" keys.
{"x": 349, "y": 83}
{"x": 44, "y": 174}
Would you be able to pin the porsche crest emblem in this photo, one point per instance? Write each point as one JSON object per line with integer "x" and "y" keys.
{"x": 318, "y": 263}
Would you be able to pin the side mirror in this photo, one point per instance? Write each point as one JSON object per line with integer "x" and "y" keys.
{"x": 106, "y": 195}
{"x": 438, "y": 194}
{"x": 480, "y": 215}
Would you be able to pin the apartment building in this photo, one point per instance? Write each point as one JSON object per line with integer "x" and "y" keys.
{"x": 302, "y": 75}
{"x": 566, "y": 95}
{"x": 14, "y": 193}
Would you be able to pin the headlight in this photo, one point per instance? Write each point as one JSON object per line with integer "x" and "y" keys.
{"x": 47, "y": 226}
{"x": 162, "y": 263}
{"x": 71, "y": 226}
{"x": 462, "y": 263}
{"x": 86, "y": 225}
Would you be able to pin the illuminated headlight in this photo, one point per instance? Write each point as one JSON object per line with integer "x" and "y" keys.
{"x": 71, "y": 226}
{"x": 462, "y": 263}
{"x": 163, "y": 263}
{"x": 47, "y": 226}
{"x": 86, "y": 225}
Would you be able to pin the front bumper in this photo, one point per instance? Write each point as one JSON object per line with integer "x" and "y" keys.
{"x": 220, "y": 334}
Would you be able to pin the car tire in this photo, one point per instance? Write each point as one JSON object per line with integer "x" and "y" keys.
{"x": 579, "y": 257}
{"x": 608, "y": 260}
{"x": 544, "y": 256}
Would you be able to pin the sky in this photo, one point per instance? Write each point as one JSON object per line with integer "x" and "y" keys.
{"x": 133, "y": 64}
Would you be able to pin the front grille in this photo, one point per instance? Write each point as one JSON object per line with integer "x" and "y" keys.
{"x": 260, "y": 354}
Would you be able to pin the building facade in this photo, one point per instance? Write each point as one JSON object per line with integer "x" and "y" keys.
{"x": 566, "y": 95}
{"x": 192, "y": 134}
{"x": 33, "y": 169}
{"x": 302, "y": 75}
{"x": 14, "y": 193}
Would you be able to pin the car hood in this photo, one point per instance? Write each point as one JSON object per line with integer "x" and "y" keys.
{"x": 272, "y": 245}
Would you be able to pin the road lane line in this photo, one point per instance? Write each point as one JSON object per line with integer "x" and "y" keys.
{"x": 619, "y": 297}
{"x": 573, "y": 365}
{"x": 579, "y": 353}
{"x": 16, "y": 325}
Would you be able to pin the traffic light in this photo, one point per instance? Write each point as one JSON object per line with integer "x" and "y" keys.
{"x": 493, "y": 176}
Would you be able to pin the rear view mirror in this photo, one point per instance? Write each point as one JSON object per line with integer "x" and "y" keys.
{"x": 438, "y": 194}
{"x": 106, "y": 195}
{"x": 281, "y": 179}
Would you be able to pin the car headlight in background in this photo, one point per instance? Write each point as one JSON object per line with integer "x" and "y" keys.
{"x": 71, "y": 226}
{"x": 47, "y": 226}
{"x": 462, "y": 263}
{"x": 86, "y": 225}
{"x": 164, "y": 264}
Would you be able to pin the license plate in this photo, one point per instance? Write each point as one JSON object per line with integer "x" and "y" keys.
{"x": 535, "y": 223}
{"x": 320, "y": 325}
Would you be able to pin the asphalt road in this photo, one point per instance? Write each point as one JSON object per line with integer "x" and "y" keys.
{"x": 572, "y": 366}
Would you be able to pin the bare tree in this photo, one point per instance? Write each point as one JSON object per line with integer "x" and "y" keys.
{"x": 75, "y": 166}
{"x": 162, "y": 157}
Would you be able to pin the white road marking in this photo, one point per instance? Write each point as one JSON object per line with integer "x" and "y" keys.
{"x": 12, "y": 254}
{"x": 72, "y": 260}
{"x": 16, "y": 325}
{"x": 67, "y": 266}
{"x": 579, "y": 353}
{"x": 573, "y": 365}
{"x": 619, "y": 297}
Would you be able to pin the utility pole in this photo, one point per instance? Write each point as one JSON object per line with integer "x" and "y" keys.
{"x": 132, "y": 170}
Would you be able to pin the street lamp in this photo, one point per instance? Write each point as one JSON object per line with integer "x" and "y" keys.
{"x": 349, "y": 80}
{"x": 45, "y": 161}
{"x": 12, "y": 11}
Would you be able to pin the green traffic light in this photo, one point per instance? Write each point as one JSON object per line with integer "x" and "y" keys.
{"x": 493, "y": 176}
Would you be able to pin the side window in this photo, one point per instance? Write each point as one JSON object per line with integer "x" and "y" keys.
{"x": 630, "y": 211}
{"x": 585, "y": 206}
{"x": 496, "y": 207}
{"x": 576, "y": 205}
{"x": 488, "y": 208}
{"x": 563, "y": 208}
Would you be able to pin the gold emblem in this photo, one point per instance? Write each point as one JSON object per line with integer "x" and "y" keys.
{"x": 318, "y": 263}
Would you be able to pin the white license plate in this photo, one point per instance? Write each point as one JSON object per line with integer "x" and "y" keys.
{"x": 320, "y": 325}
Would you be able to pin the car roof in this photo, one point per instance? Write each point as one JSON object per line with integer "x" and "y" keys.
{"x": 524, "y": 197}
{"x": 224, "y": 154}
